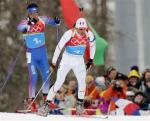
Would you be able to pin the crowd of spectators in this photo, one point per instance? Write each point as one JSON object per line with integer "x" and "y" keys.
{"x": 113, "y": 93}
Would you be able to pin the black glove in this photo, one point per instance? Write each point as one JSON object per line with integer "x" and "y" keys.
{"x": 52, "y": 67}
{"x": 89, "y": 64}
{"x": 31, "y": 21}
{"x": 81, "y": 9}
{"x": 57, "y": 20}
{"x": 24, "y": 31}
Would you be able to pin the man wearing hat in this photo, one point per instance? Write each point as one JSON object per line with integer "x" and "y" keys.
{"x": 33, "y": 28}
{"x": 134, "y": 83}
{"x": 116, "y": 90}
{"x": 74, "y": 41}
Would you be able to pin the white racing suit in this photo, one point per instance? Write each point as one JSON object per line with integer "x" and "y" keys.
{"x": 72, "y": 58}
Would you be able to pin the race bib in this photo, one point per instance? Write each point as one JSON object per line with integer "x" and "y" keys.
{"x": 76, "y": 50}
{"x": 34, "y": 40}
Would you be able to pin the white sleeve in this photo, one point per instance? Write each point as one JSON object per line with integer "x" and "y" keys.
{"x": 92, "y": 44}
{"x": 64, "y": 39}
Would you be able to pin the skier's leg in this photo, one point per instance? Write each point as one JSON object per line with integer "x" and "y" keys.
{"x": 32, "y": 79}
{"x": 45, "y": 71}
{"x": 32, "y": 82}
{"x": 80, "y": 73}
{"x": 63, "y": 69}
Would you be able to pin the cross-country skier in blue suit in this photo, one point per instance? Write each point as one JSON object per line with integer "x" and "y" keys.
{"x": 33, "y": 28}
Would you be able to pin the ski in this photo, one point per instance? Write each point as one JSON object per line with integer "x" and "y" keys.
{"x": 23, "y": 111}
{"x": 75, "y": 115}
{"x": 88, "y": 116}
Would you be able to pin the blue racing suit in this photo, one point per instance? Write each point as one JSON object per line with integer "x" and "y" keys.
{"x": 36, "y": 54}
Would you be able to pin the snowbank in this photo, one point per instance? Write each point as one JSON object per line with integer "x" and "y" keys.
{"x": 34, "y": 117}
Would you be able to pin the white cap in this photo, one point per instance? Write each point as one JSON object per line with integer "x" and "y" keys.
{"x": 81, "y": 23}
{"x": 100, "y": 81}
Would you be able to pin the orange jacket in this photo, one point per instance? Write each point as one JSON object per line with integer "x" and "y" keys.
{"x": 111, "y": 93}
{"x": 92, "y": 92}
{"x": 89, "y": 90}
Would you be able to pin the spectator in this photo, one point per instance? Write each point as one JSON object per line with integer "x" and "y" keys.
{"x": 116, "y": 90}
{"x": 147, "y": 89}
{"x": 90, "y": 92}
{"x": 64, "y": 89}
{"x": 96, "y": 100}
{"x": 126, "y": 80}
{"x": 72, "y": 88}
{"x": 140, "y": 100}
{"x": 110, "y": 75}
{"x": 144, "y": 78}
{"x": 95, "y": 95}
{"x": 134, "y": 83}
{"x": 130, "y": 95}
{"x": 102, "y": 104}
{"x": 146, "y": 74}
{"x": 70, "y": 98}
{"x": 100, "y": 83}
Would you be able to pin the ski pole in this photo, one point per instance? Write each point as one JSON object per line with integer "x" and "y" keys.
{"x": 40, "y": 90}
{"x": 11, "y": 69}
{"x": 57, "y": 34}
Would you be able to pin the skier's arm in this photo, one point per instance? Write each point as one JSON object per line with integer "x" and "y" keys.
{"x": 92, "y": 44}
{"x": 48, "y": 20}
{"x": 23, "y": 26}
{"x": 64, "y": 39}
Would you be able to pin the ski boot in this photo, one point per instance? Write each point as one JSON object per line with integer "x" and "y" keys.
{"x": 80, "y": 108}
{"x": 44, "y": 97}
{"x": 29, "y": 104}
{"x": 44, "y": 109}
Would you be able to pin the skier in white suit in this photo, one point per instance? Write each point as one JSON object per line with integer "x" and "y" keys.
{"x": 75, "y": 42}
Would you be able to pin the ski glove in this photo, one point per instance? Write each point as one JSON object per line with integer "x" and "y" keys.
{"x": 52, "y": 67}
{"x": 24, "y": 31}
{"x": 31, "y": 21}
{"x": 81, "y": 9}
{"x": 57, "y": 20}
{"x": 89, "y": 64}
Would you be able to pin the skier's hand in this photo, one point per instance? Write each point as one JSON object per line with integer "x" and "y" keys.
{"x": 81, "y": 9}
{"x": 31, "y": 21}
{"x": 24, "y": 31}
{"x": 89, "y": 64}
{"x": 57, "y": 20}
{"x": 52, "y": 67}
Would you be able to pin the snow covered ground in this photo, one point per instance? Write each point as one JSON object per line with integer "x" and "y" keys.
{"x": 34, "y": 117}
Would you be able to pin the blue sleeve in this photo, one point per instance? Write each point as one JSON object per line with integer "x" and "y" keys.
{"x": 22, "y": 26}
{"x": 48, "y": 20}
